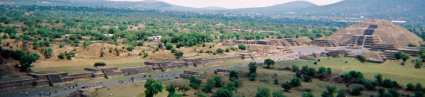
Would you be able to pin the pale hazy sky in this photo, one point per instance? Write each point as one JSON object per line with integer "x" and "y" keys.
{"x": 231, "y": 4}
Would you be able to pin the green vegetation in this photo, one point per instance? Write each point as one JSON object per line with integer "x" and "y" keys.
{"x": 263, "y": 92}
{"x": 242, "y": 47}
{"x": 153, "y": 87}
{"x": 269, "y": 62}
{"x": 252, "y": 71}
{"x": 25, "y": 58}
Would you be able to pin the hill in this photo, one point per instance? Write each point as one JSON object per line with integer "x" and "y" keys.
{"x": 373, "y": 8}
{"x": 383, "y": 32}
{"x": 286, "y": 8}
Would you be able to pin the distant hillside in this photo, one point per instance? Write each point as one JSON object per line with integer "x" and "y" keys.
{"x": 140, "y": 5}
{"x": 377, "y": 8}
{"x": 286, "y": 8}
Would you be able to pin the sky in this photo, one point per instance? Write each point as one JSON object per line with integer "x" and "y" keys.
{"x": 233, "y": 4}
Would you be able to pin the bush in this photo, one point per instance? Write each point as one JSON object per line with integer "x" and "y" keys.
{"x": 168, "y": 46}
{"x": 201, "y": 94}
{"x": 99, "y": 64}
{"x": 219, "y": 51}
{"x": 410, "y": 87}
{"x": 286, "y": 86}
{"x": 242, "y": 47}
{"x": 341, "y": 93}
{"x": 307, "y": 94}
{"x": 263, "y": 92}
{"x": 295, "y": 68}
{"x": 252, "y": 71}
{"x": 208, "y": 86}
{"x": 353, "y": 77}
{"x": 278, "y": 94}
{"x": 26, "y": 60}
{"x": 218, "y": 82}
{"x": 269, "y": 62}
{"x": 66, "y": 55}
{"x": 178, "y": 54}
{"x": 47, "y": 52}
{"x": 233, "y": 75}
{"x": 195, "y": 83}
{"x": 223, "y": 92}
{"x": 295, "y": 82}
{"x": 361, "y": 58}
{"x": 356, "y": 90}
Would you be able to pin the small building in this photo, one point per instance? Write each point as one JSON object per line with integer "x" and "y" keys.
{"x": 108, "y": 35}
{"x": 155, "y": 38}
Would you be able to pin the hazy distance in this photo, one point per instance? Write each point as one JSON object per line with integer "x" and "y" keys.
{"x": 234, "y": 4}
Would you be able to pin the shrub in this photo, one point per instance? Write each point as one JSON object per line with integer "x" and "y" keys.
{"x": 219, "y": 51}
{"x": 341, "y": 93}
{"x": 356, "y": 90}
{"x": 47, "y": 52}
{"x": 263, "y": 92}
{"x": 307, "y": 94}
{"x": 195, "y": 83}
{"x": 410, "y": 87}
{"x": 242, "y": 47}
{"x": 233, "y": 75}
{"x": 99, "y": 64}
{"x": 278, "y": 94}
{"x": 223, "y": 92}
{"x": 269, "y": 62}
{"x": 178, "y": 54}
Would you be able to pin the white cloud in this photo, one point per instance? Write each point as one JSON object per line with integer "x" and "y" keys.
{"x": 235, "y": 3}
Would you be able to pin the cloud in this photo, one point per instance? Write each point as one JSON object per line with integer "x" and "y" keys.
{"x": 235, "y": 3}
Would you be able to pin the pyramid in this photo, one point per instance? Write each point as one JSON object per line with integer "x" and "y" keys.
{"x": 375, "y": 32}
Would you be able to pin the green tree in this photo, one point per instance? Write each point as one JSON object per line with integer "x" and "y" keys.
{"x": 329, "y": 92}
{"x": 278, "y": 94}
{"x": 341, "y": 93}
{"x": 269, "y": 62}
{"x": 168, "y": 46}
{"x": 242, "y": 47}
{"x": 223, "y": 92}
{"x": 233, "y": 75}
{"x": 201, "y": 94}
{"x": 403, "y": 56}
{"x": 209, "y": 86}
{"x": 252, "y": 71}
{"x": 219, "y": 51}
{"x": 218, "y": 82}
{"x": 418, "y": 64}
{"x": 47, "y": 52}
{"x": 356, "y": 90}
{"x": 263, "y": 92}
{"x": 307, "y": 94}
{"x": 195, "y": 83}
{"x": 171, "y": 88}
{"x": 26, "y": 60}
{"x": 153, "y": 87}
{"x": 178, "y": 54}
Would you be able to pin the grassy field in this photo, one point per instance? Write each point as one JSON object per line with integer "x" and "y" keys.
{"x": 265, "y": 77}
{"x": 390, "y": 69}
{"x": 78, "y": 65}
